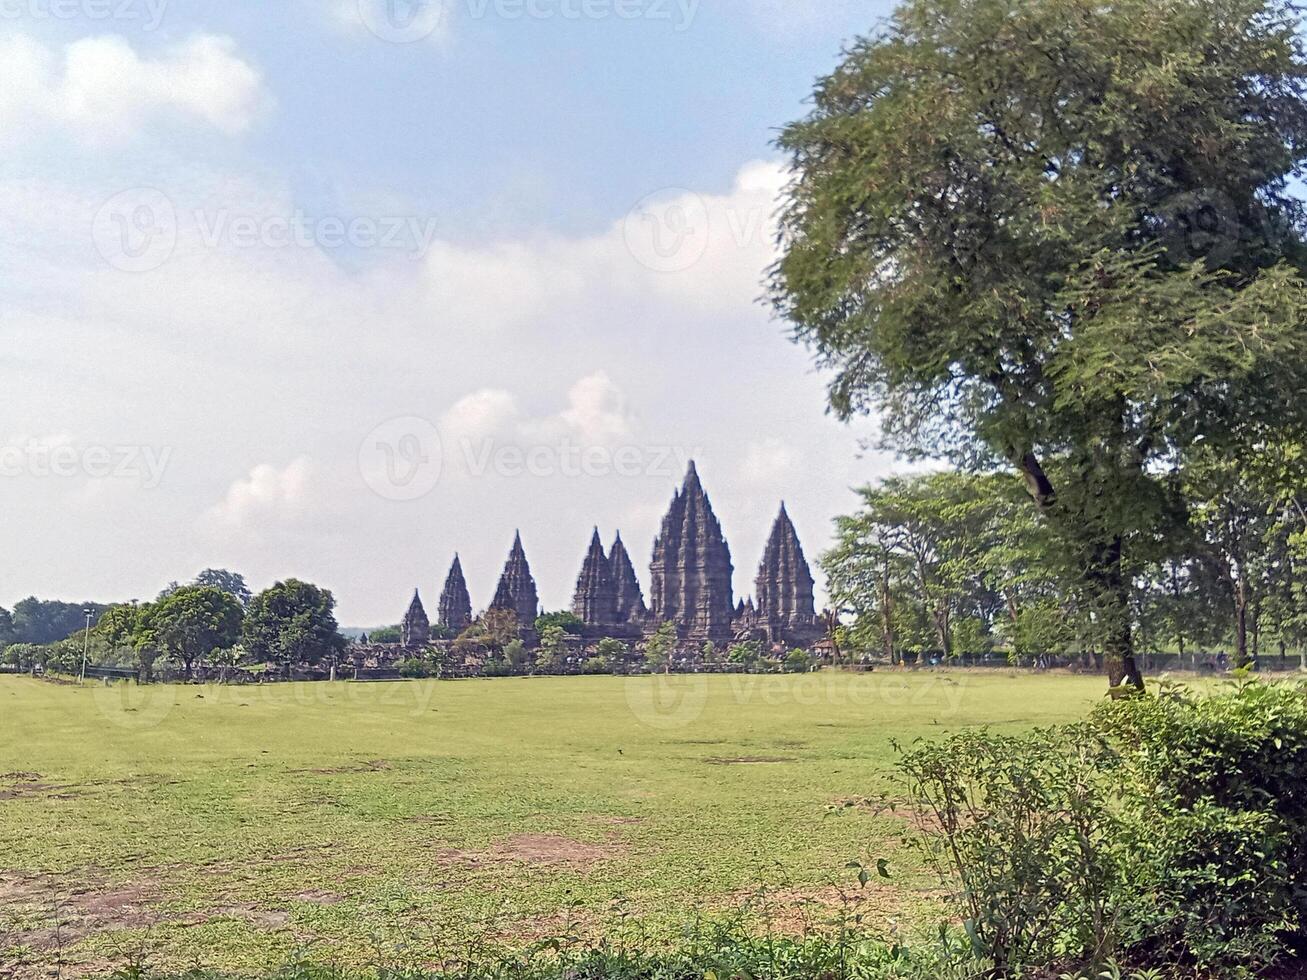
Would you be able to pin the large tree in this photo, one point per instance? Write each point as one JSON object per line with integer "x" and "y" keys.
{"x": 189, "y": 624}
{"x": 1058, "y": 235}
{"x": 293, "y": 623}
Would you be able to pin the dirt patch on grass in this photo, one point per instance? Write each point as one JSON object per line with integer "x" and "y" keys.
{"x": 28, "y": 785}
{"x": 552, "y": 849}
{"x": 750, "y": 760}
{"x": 378, "y": 765}
{"x": 47, "y": 913}
{"x": 799, "y": 911}
{"x": 318, "y": 896}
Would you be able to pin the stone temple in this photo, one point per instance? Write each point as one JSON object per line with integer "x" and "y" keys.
{"x": 691, "y": 569}
{"x": 455, "y": 602}
{"x": 415, "y": 630}
{"x": 785, "y": 610}
{"x": 517, "y": 589}
{"x": 691, "y": 586}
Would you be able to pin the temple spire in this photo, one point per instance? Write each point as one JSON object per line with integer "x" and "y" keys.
{"x": 455, "y": 602}
{"x": 517, "y": 588}
{"x": 691, "y": 568}
{"x": 595, "y": 602}
{"x": 415, "y": 630}
{"x": 785, "y": 586}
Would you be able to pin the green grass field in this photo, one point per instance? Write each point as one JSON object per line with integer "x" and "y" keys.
{"x": 234, "y": 826}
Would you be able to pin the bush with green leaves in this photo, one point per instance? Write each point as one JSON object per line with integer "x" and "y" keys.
{"x": 1168, "y": 830}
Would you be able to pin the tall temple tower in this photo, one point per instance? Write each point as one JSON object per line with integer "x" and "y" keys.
{"x": 517, "y": 588}
{"x": 630, "y": 598}
{"x": 415, "y": 630}
{"x": 691, "y": 568}
{"x": 786, "y": 608}
{"x": 595, "y": 603}
{"x": 455, "y": 602}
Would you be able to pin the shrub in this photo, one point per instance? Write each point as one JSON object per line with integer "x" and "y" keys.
{"x": 418, "y": 668}
{"x": 597, "y": 665}
{"x": 1167, "y": 829}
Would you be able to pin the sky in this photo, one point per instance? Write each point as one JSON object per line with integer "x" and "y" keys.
{"x": 334, "y": 289}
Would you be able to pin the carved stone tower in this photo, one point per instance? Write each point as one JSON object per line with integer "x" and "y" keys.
{"x": 630, "y": 598}
{"x": 517, "y": 589}
{"x": 785, "y": 587}
{"x": 415, "y": 630}
{"x": 595, "y": 603}
{"x": 691, "y": 568}
{"x": 455, "y": 602}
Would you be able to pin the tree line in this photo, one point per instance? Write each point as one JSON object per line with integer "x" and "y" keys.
{"x": 214, "y": 620}
{"x": 956, "y": 562}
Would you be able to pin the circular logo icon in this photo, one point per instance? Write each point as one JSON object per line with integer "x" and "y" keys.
{"x": 667, "y": 702}
{"x": 1204, "y": 225}
{"x": 668, "y": 230}
{"x": 135, "y": 707}
{"x": 401, "y": 21}
{"x": 402, "y": 459}
{"x": 136, "y": 231}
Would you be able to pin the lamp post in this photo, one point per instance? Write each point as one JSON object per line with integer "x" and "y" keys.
{"x": 86, "y": 640}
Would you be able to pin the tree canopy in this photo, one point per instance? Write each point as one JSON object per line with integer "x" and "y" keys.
{"x": 1057, "y": 236}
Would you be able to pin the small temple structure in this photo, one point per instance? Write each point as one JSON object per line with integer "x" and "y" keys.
{"x": 455, "y": 601}
{"x": 415, "y": 630}
{"x": 786, "y": 610}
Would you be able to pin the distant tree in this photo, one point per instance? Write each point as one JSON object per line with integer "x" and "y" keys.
{"x": 233, "y": 583}
{"x": 7, "y": 634}
{"x": 1020, "y": 242}
{"x": 566, "y": 621}
{"x": 658, "y": 649}
{"x": 553, "y": 648}
{"x": 293, "y": 623}
{"x": 798, "y": 662}
{"x": 612, "y": 649}
{"x": 24, "y": 656}
{"x": 387, "y": 635}
{"x": 515, "y": 655}
{"x": 43, "y": 622}
{"x": 747, "y": 654}
{"x": 189, "y": 624}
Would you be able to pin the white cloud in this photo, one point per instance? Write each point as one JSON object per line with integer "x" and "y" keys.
{"x": 767, "y": 460}
{"x": 99, "y": 90}
{"x": 268, "y": 496}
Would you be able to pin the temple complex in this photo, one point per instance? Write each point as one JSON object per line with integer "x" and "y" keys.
{"x": 415, "y": 630}
{"x": 455, "y": 601}
{"x": 691, "y": 586}
{"x": 691, "y": 568}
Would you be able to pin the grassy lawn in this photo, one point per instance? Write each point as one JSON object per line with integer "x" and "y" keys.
{"x": 234, "y": 826}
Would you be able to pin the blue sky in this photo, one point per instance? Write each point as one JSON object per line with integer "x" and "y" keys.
{"x": 315, "y": 295}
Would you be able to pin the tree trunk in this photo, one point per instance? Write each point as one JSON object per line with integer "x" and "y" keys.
{"x": 887, "y": 619}
{"x": 942, "y": 630}
{"x": 1118, "y": 639}
{"x": 1240, "y": 625}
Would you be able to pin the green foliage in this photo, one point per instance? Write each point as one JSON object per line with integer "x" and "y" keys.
{"x": 597, "y": 665}
{"x": 798, "y": 662}
{"x": 553, "y": 648}
{"x": 233, "y": 583}
{"x": 1058, "y": 236}
{"x": 612, "y": 649}
{"x": 1165, "y": 830}
{"x": 7, "y": 634}
{"x": 566, "y": 621}
{"x": 41, "y": 622}
{"x": 293, "y": 623}
{"x": 386, "y": 636}
{"x": 746, "y": 654}
{"x": 418, "y": 668}
{"x": 658, "y": 649}
{"x": 188, "y": 624}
